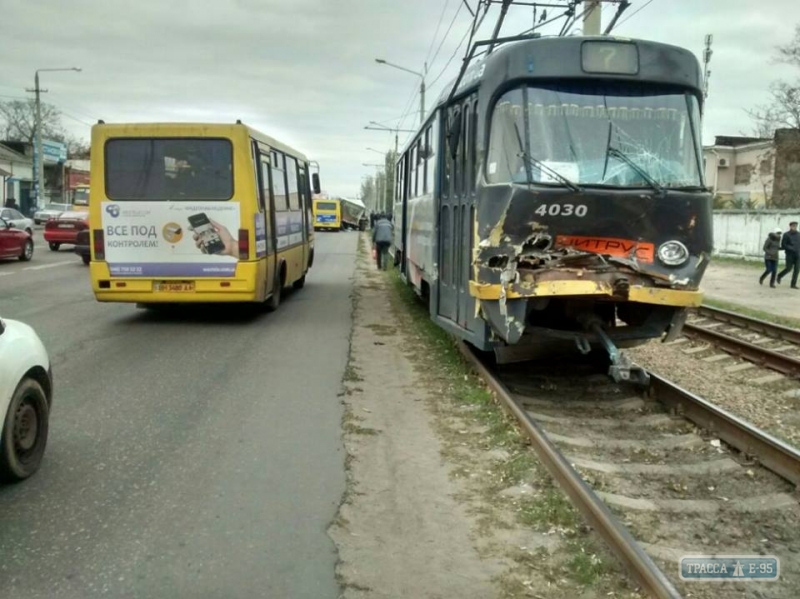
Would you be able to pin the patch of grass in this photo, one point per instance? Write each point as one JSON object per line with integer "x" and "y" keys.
{"x": 760, "y": 314}
{"x": 351, "y": 374}
{"x": 518, "y": 468}
{"x": 748, "y": 262}
{"x": 383, "y": 330}
{"x": 354, "y": 429}
{"x": 587, "y": 564}
{"x": 549, "y": 509}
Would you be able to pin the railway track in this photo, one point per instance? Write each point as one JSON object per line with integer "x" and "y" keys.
{"x": 656, "y": 477}
{"x": 766, "y": 344}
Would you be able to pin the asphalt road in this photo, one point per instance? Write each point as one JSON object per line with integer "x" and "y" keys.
{"x": 191, "y": 453}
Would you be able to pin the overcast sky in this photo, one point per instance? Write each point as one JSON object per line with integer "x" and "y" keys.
{"x": 304, "y": 71}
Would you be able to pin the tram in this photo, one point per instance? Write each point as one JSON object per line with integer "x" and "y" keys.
{"x": 554, "y": 196}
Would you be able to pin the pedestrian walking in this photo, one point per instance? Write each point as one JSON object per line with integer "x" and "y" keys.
{"x": 772, "y": 246}
{"x": 790, "y": 244}
{"x": 382, "y": 236}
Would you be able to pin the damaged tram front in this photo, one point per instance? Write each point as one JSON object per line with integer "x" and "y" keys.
{"x": 557, "y": 198}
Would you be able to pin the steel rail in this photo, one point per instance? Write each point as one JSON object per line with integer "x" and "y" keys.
{"x": 773, "y": 454}
{"x": 652, "y": 580}
{"x": 752, "y": 353}
{"x": 769, "y": 329}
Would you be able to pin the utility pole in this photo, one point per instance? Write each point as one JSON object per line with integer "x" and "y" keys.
{"x": 591, "y": 17}
{"x": 38, "y": 156}
{"x": 707, "y": 59}
{"x": 38, "y": 161}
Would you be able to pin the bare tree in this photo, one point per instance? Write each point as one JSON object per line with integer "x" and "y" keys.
{"x": 77, "y": 148}
{"x": 783, "y": 109}
{"x": 18, "y": 121}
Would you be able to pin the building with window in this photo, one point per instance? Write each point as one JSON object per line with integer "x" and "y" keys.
{"x": 16, "y": 178}
{"x": 754, "y": 172}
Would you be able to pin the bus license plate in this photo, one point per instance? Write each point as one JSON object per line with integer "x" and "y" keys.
{"x": 173, "y": 286}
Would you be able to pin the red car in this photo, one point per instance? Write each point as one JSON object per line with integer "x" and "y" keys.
{"x": 15, "y": 243}
{"x": 64, "y": 228}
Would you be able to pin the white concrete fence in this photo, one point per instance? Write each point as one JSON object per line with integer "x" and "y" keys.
{"x": 741, "y": 233}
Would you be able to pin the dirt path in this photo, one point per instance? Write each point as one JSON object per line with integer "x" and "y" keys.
{"x": 400, "y": 532}
{"x": 739, "y": 284}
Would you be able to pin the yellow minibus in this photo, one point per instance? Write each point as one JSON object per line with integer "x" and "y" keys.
{"x": 327, "y": 215}
{"x": 197, "y": 213}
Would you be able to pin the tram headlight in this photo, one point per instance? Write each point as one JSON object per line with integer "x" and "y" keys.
{"x": 673, "y": 253}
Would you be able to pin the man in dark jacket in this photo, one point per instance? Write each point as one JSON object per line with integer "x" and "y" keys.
{"x": 382, "y": 236}
{"x": 772, "y": 247}
{"x": 791, "y": 245}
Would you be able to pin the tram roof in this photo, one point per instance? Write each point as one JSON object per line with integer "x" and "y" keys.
{"x": 543, "y": 58}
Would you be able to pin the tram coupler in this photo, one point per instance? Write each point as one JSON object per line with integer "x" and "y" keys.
{"x": 621, "y": 369}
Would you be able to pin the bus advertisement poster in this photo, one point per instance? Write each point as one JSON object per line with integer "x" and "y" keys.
{"x": 171, "y": 239}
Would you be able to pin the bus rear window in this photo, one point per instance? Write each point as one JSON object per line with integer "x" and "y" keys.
{"x": 154, "y": 169}
{"x": 326, "y": 205}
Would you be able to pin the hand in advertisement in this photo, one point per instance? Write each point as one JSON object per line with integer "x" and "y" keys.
{"x": 231, "y": 245}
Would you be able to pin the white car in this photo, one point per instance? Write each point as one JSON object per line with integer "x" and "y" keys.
{"x": 17, "y": 220}
{"x": 26, "y": 392}
{"x": 49, "y": 211}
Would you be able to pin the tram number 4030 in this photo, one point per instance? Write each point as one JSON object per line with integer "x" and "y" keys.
{"x": 579, "y": 210}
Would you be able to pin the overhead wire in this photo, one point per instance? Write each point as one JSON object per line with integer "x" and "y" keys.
{"x": 641, "y": 8}
{"x": 415, "y": 91}
{"x": 471, "y": 30}
{"x": 446, "y": 33}
{"x": 436, "y": 32}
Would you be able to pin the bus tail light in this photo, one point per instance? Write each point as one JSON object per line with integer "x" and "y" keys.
{"x": 244, "y": 244}
{"x": 99, "y": 244}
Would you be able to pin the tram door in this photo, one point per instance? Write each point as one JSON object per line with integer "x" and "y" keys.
{"x": 456, "y": 214}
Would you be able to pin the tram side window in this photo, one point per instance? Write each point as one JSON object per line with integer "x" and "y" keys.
{"x": 456, "y": 176}
{"x": 445, "y": 160}
{"x": 430, "y": 142}
{"x": 398, "y": 181}
{"x": 278, "y": 181}
{"x": 413, "y": 178}
{"x": 444, "y": 267}
{"x": 422, "y": 156}
{"x": 419, "y": 178}
{"x": 473, "y": 144}
{"x": 404, "y": 178}
{"x": 291, "y": 178}
{"x": 467, "y": 134}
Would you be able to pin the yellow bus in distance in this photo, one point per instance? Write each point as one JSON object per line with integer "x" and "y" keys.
{"x": 80, "y": 198}
{"x": 327, "y": 214}
{"x": 185, "y": 212}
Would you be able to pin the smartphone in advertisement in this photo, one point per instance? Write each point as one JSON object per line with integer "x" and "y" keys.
{"x": 209, "y": 238}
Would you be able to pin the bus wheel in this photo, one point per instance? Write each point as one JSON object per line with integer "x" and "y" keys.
{"x": 299, "y": 283}
{"x": 275, "y": 299}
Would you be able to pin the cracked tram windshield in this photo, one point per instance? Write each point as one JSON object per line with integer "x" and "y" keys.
{"x": 599, "y": 134}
